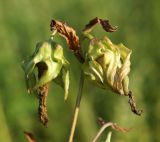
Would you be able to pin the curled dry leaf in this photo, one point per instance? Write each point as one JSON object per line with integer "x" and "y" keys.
{"x": 70, "y": 35}
{"x": 133, "y": 104}
{"x": 29, "y": 137}
{"x": 104, "y": 23}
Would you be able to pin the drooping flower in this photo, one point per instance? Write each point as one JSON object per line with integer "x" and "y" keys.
{"x": 108, "y": 64}
{"x": 46, "y": 64}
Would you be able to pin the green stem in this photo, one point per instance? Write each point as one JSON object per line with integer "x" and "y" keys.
{"x": 77, "y": 106}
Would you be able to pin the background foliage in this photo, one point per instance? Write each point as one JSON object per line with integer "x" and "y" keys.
{"x": 25, "y": 22}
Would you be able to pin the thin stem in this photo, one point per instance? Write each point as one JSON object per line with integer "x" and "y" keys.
{"x": 77, "y": 106}
{"x": 101, "y": 131}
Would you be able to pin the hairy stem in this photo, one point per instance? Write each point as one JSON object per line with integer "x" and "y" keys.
{"x": 77, "y": 106}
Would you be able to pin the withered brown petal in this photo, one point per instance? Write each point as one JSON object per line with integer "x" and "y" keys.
{"x": 104, "y": 23}
{"x": 70, "y": 35}
{"x": 29, "y": 137}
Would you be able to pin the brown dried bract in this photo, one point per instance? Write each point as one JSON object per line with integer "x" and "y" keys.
{"x": 70, "y": 35}
{"x": 29, "y": 137}
{"x": 132, "y": 103}
{"x": 104, "y": 23}
{"x": 42, "y": 110}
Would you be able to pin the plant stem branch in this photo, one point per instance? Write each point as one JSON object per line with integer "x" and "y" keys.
{"x": 101, "y": 131}
{"x": 77, "y": 106}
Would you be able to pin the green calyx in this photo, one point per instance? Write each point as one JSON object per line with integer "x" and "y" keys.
{"x": 108, "y": 65}
{"x": 46, "y": 64}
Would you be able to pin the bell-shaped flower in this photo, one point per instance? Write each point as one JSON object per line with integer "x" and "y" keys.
{"x": 46, "y": 64}
{"x": 108, "y": 65}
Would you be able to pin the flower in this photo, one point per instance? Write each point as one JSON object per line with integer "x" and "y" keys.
{"x": 108, "y": 65}
{"x": 46, "y": 64}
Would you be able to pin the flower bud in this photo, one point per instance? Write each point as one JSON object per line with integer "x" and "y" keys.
{"x": 108, "y": 65}
{"x": 46, "y": 64}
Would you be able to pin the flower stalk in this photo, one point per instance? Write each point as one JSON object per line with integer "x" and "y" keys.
{"x": 77, "y": 107}
{"x": 47, "y": 63}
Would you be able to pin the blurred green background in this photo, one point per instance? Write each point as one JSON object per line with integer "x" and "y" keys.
{"x": 25, "y": 22}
